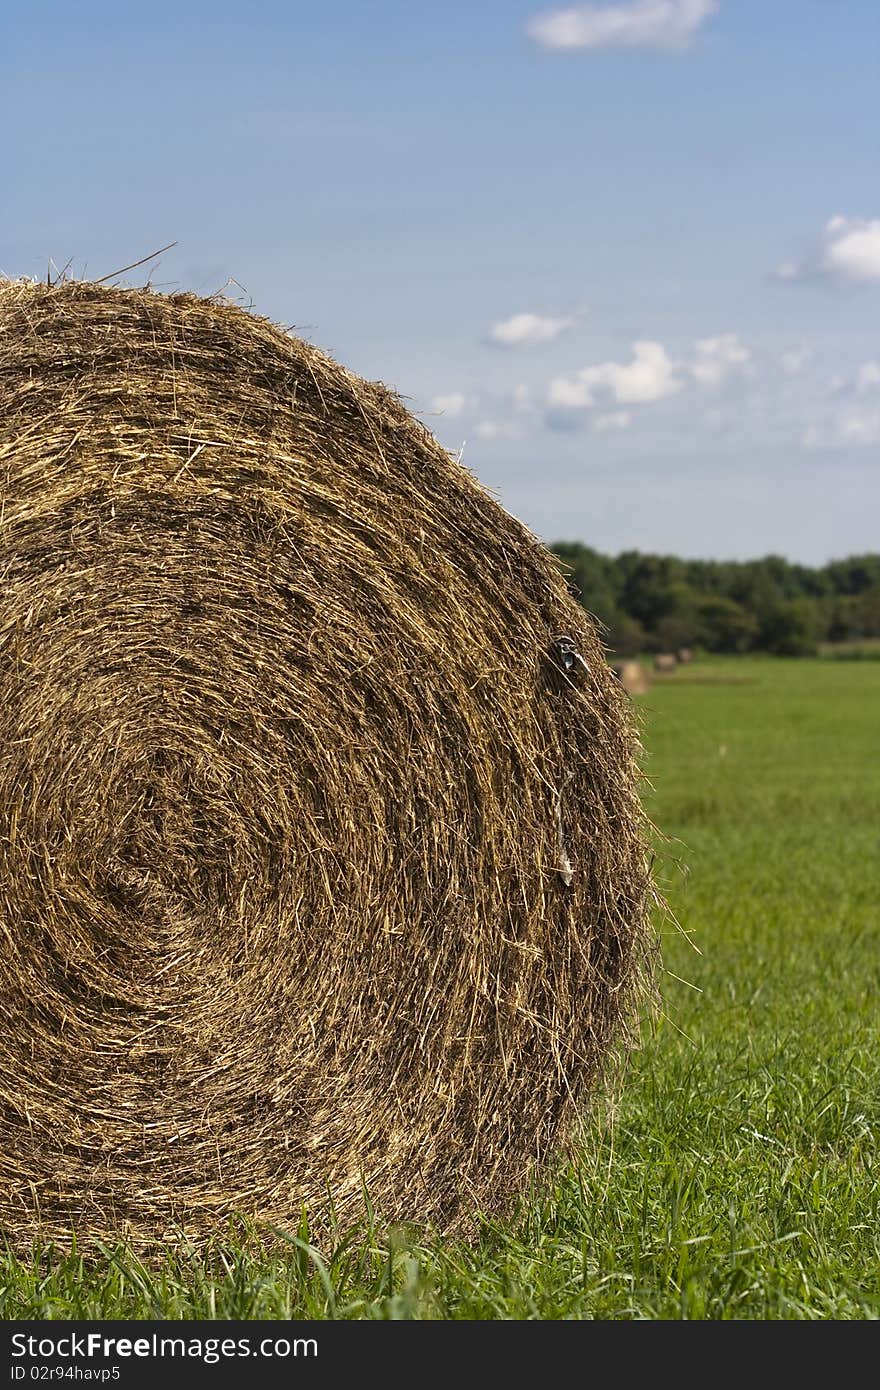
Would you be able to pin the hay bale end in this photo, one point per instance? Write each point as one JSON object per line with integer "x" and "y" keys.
{"x": 665, "y": 663}
{"x": 322, "y": 864}
{"x": 632, "y": 676}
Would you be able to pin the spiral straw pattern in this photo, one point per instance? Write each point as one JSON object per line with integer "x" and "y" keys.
{"x": 321, "y": 859}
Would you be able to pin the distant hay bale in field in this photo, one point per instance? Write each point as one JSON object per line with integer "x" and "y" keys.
{"x": 321, "y": 856}
{"x": 684, "y": 655}
{"x": 665, "y": 663}
{"x": 632, "y": 676}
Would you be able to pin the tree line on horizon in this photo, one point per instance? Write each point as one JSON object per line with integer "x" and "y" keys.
{"x": 662, "y": 603}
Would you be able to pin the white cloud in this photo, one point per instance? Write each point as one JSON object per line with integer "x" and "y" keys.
{"x": 848, "y": 252}
{"x": 614, "y": 420}
{"x": 522, "y": 399}
{"x": 718, "y": 358}
{"x": 856, "y": 426}
{"x": 865, "y": 380}
{"x": 570, "y": 392}
{"x": 450, "y": 405}
{"x": 662, "y": 24}
{"x": 522, "y": 330}
{"x": 649, "y": 377}
{"x": 859, "y": 426}
{"x": 794, "y": 361}
{"x": 852, "y": 251}
{"x": 495, "y": 429}
{"x": 867, "y": 377}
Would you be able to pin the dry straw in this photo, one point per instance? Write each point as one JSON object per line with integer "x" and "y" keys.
{"x": 321, "y": 859}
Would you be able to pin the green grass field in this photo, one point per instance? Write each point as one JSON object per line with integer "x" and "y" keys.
{"x": 738, "y": 1176}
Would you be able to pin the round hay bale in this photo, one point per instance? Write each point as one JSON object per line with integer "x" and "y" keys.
{"x": 321, "y": 856}
{"x": 632, "y": 676}
{"x": 665, "y": 663}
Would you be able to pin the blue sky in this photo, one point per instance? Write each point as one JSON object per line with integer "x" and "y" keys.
{"x": 488, "y": 206}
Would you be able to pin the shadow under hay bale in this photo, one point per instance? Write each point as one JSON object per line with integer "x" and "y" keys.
{"x": 321, "y": 858}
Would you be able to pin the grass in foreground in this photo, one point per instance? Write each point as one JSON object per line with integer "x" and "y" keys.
{"x": 739, "y": 1176}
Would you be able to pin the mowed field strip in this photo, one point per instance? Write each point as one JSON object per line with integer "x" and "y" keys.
{"x": 737, "y": 1178}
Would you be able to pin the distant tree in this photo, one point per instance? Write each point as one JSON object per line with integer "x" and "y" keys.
{"x": 855, "y": 574}
{"x": 725, "y": 626}
{"x": 661, "y": 603}
{"x": 791, "y": 628}
{"x": 869, "y": 612}
{"x": 649, "y": 587}
{"x": 590, "y": 576}
{"x": 626, "y": 636}
{"x": 855, "y": 615}
{"x": 680, "y": 624}
{"x": 846, "y": 619}
{"x": 676, "y": 630}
